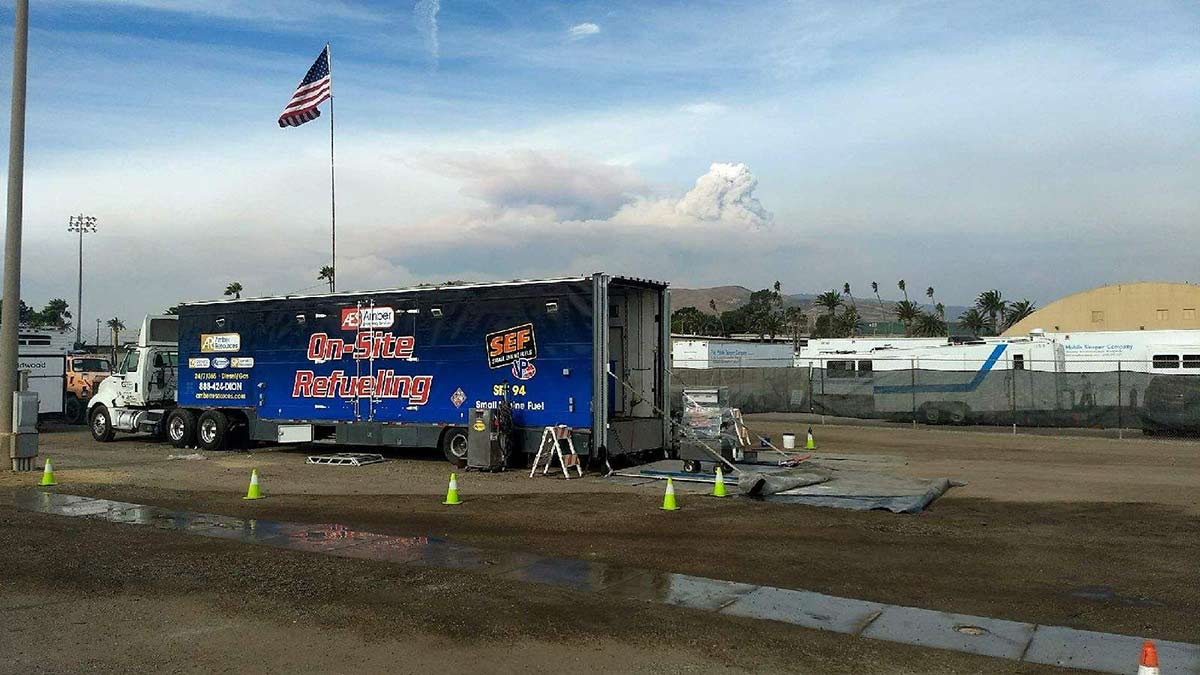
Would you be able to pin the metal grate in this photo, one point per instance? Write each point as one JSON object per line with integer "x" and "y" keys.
{"x": 346, "y": 459}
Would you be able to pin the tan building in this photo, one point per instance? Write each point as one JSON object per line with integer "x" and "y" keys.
{"x": 1143, "y": 305}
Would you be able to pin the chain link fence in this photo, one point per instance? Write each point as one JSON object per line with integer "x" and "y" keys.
{"x": 1155, "y": 396}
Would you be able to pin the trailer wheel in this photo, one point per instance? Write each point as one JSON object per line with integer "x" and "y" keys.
{"x": 73, "y": 410}
{"x": 181, "y": 427}
{"x": 454, "y": 446}
{"x": 101, "y": 425}
{"x": 931, "y": 413}
{"x": 212, "y": 430}
{"x": 958, "y": 413}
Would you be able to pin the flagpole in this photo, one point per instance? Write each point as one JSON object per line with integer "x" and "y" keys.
{"x": 332, "y": 183}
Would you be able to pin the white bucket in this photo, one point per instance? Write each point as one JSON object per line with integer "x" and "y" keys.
{"x": 789, "y": 441}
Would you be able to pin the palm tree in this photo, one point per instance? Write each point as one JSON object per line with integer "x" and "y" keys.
{"x": 830, "y": 301}
{"x": 929, "y": 325}
{"x": 234, "y": 289}
{"x": 929, "y": 294}
{"x": 846, "y": 324}
{"x": 992, "y": 303}
{"x": 906, "y": 311}
{"x": 116, "y": 325}
{"x": 941, "y": 310}
{"x": 974, "y": 321}
{"x": 326, "y": 274}
{"x": 712, "y": 304}
{"x": 1018, "y": 311}
{"x": 903, "y": 287}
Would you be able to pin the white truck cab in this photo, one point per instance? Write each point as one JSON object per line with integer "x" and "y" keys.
{"x": 137, "y": 396}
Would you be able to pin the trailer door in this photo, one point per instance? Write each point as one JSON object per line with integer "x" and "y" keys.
{"x": 616, "y": 361}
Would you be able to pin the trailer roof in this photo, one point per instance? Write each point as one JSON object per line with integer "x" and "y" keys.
{"x": 438, "y": 287}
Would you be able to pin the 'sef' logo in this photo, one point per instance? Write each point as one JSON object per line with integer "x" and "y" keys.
{"x": 510, "y": 344}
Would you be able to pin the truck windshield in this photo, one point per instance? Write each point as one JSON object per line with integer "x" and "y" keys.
{"x": 90, "y": 365}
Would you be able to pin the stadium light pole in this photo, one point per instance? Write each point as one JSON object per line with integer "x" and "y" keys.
{"x": 10, "y": 313}
{"x": 83, "y": 225}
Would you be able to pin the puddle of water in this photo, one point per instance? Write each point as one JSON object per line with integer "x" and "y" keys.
{"x": 1052, "y": 645}
{"x": 580, "y": 575}
{"x": 1108, "y": 594}
{"x": 681, "y": 590}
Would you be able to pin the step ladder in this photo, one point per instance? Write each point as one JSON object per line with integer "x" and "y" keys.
{"x": 551, "y": 446}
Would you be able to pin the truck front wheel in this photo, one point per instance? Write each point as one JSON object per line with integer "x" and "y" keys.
{"x": 73, "y": 410}
{"x": 101, "y": 424}
{"x": 181, "y": 427}
{"x": 212, "y": 430}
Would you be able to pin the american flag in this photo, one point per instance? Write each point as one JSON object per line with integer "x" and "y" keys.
{"x": 314, "y": 89}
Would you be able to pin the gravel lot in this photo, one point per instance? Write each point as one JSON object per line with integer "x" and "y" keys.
{"x": 1086, "y": 532}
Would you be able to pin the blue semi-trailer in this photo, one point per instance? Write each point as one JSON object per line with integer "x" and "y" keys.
{"x": 404, "y": 367}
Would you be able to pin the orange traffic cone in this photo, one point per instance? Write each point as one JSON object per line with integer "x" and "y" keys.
{"x": 1149, "y": 664}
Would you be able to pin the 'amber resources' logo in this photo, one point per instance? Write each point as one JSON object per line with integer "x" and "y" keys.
{"x": 508, "y": 345}
{"x": 220, "y": 342}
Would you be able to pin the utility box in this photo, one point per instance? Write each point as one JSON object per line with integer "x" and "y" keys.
{"x": 484, "y": 450}
{"x": 25, "y": 432}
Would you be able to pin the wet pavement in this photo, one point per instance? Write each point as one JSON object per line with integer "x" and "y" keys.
{"x": 1053, "y": 645}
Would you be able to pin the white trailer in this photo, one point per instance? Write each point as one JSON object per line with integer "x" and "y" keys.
{"x": 43, "y": 354}
{"x": 705, "y": 352}
{"x": 1069, "y": 378}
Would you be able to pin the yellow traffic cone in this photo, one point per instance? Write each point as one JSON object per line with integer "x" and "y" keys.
{"x": 452, "y": 491}
{"x": 254, "y": 492}
{"x": 47, "y": 475}
{"x": 719, "y": 488}
{"x": 669, "y": 498}
{"x": 810, "y": 444}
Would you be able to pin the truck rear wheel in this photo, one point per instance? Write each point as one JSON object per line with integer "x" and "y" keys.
{"x": 212, "y": 430}
{"x": 181, "y": 427}
{"x": 101, "y": 424}
{"x": 454, "y": 446}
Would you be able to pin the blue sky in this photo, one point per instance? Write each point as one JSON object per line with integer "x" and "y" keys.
{"x": 1040, "y": 148}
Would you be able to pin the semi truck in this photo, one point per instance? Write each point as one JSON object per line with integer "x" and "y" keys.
{"x": 404, "y": 368}
{"x": 63, "y": 380}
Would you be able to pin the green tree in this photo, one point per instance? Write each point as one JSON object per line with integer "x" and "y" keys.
{"x": 830, "y": 300}
{"x": 688, "y": 321}
{"x": 974, "y": 321}
{"x": 326, "y": 274}
{"x": 53, "y": 315}
{"x": 906, "y": 311}
{"x": 929, "y": 325}
{"x": 847, "y": 322}
{"x": 993, "y": 305}
{"x": 1018, "y": 311}
{"x": 234, "y": 289}
{"x": 173, "y": 310}
{"x": 903, "y": 288}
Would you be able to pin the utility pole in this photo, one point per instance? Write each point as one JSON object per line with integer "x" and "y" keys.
{"x": 10, "y": 314}
{"x": 81, "y": 224}
{"x": 97, "y": 334}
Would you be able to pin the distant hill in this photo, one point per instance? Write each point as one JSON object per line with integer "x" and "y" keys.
{"x": 732, "y": 297}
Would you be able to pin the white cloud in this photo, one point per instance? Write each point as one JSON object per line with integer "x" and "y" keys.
{"x": 572, "y": 186}
{"x": 426, "y": 12}
{"x": 582, "y": 30}
{"x": 705, "y": 108}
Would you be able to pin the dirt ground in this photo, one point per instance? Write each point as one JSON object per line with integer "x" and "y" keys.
{"x": 1092, "y": 533}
